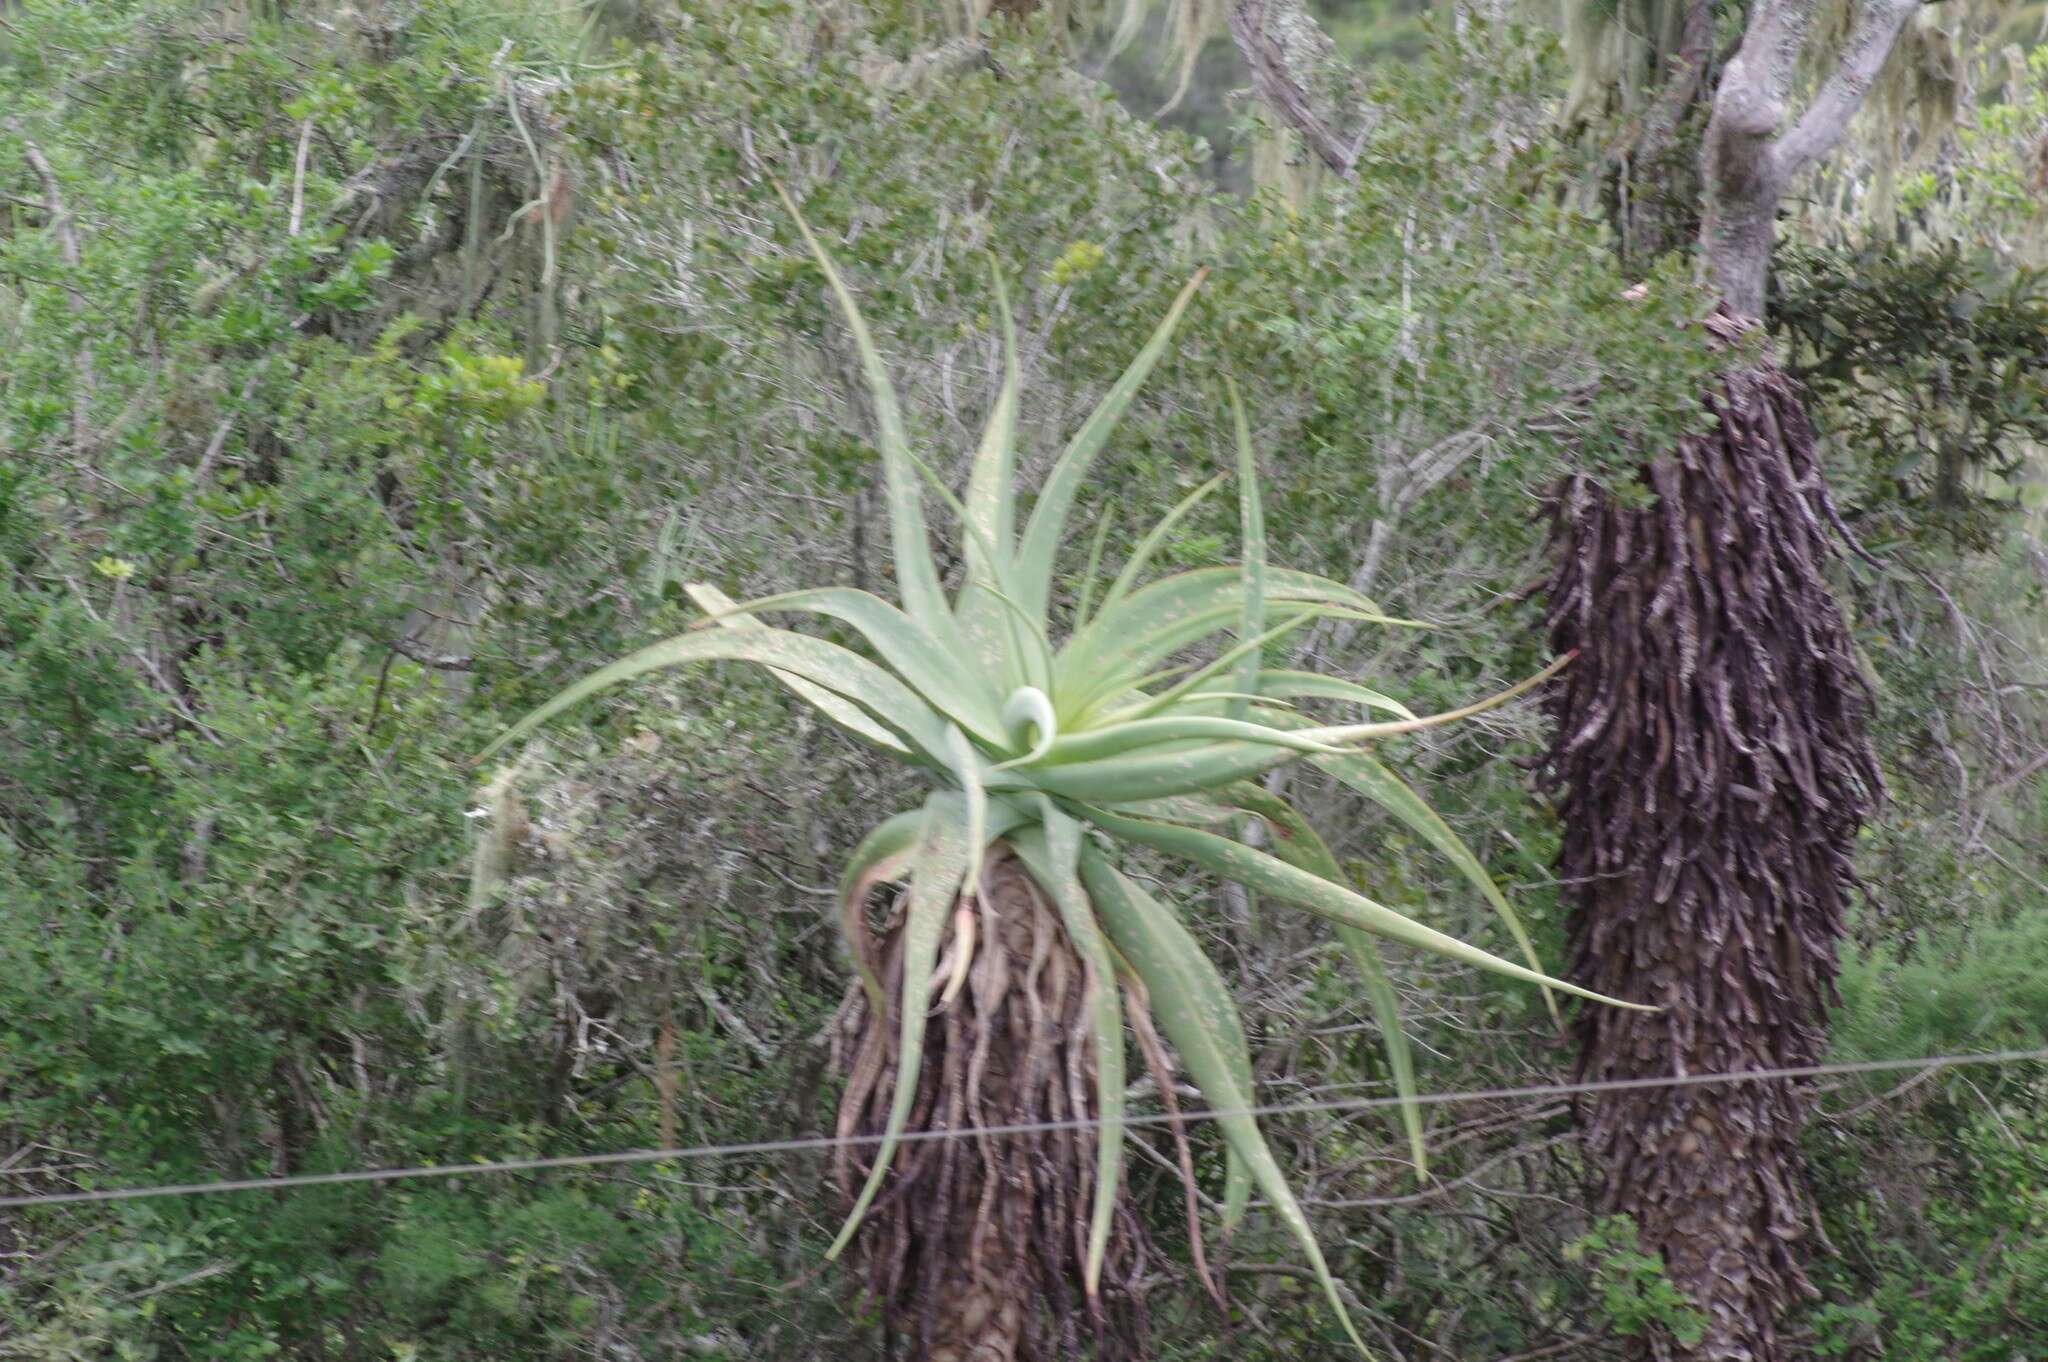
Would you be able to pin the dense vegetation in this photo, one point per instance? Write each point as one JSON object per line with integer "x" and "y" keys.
{"x": 370, "y": 372}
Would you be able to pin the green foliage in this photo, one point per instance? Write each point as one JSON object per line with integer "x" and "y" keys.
{"x": 251, "y": 486}
{"x": 1939, "y": 1219}
{"x": 1968, "y": 1280}
{"x": 1953, "y": 991}
{"x": 1376, "y": 31}
{"x": 1933, "y": 361}
{"x": 1452, "y": 306}
{"x": 1630, "y": 1285}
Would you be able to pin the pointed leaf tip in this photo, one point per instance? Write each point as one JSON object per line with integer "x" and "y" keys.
{"x": 917, "y": 577}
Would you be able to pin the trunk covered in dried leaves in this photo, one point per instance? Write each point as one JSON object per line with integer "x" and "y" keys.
{"x": 974, "y": 1248}
{"x": 1712, "y": 765}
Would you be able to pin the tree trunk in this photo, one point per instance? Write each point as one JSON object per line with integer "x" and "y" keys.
{"x": 983, "y": 1301}
{"x": 1752, "y": 156}
{"x": 974, "y": 1247}
{"x": 1653, "y": 188}
{"x": 983, "y": 1295}
{"x": 1710, "y": 750}
{"x": 1712, "y": 753}
{"x": 1713, "y": 767}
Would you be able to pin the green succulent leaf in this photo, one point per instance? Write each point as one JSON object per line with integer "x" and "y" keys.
{"x": 835, "y": 669}
{"x": 1268, "y": 874}
{"x": 1051, "y": 851}
{"x": 1114, "y": 739}
{"x": 1355, "y": 733}
{"x": 906, "y": 646}
{"x": 1090, "y": 574}
{"x": 1295, "y": 841}
{"x": 1246, "y": 649}
{"x": 1141, "y": 556}
{"x": 1159, "y": 774}
{"x": 967, "y": 766}
{"x": 883, "y": 856}
{"x": 1293, "y": 685}
{"x": 1031, "y": 719}
{"x": 836, "y": 708}
{"x": 1045, "y": 529}
{"x": 991, "y": 487}
{"x": 1193, "y": 1008}
{"x": 1197, "y": 701}
{"x": 1181, "y": 809}
{"x": 990, "y": 519}
{"x": 1251, "y": 629}
{"x": 1128, "y": 638}
{"x": 1372, "y": 779}
{"x": 936, "y": 868}
{"x": 1031, "y": 657}
{"x": 917, "y": 577}
{"x": 1237, "y": 1189}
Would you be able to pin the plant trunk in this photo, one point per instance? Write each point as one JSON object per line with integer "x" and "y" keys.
{"x": 1713, "y": 755}
{"x": 980, "y": 1312}
{"x": 1711, "y": 748}
{"x": 1711, "y": 758}
{"x": 974, "y": 1247}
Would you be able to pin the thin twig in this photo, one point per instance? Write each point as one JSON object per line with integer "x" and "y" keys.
{"x": 298, "y": 217}
{"x": 1915, "y": 1081}
{"x": 189, "y": 1279}
{"x": 66, "y": 227}
{"x": 148, "y": 664}
{"x": 1549, "y": 1350}
{"x": 219, "y": 440}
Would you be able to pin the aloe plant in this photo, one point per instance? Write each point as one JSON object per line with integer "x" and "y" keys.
{"x": 1022, "y": 949}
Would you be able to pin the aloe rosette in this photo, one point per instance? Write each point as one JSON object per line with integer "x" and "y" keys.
{"x": 1062, "y": 753}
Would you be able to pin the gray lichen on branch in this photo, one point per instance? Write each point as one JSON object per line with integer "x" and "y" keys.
{"x": 1749, "y": 161}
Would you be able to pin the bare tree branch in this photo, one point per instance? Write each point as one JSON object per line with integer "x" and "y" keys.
{"x": 1749, "y": 163}
{"x": 219, "y": 440}
{"x": 1292, "y": 61}
{"x": 61, "y": 221}
{"x": 66, "y": 227}
{"x": 1688, "y": 68}
{"x": 298, "y": 217}
{"x": 1769, "y": 55}
{"x": 164, "y": 685}
{"x": 952, "y": 57}
{"x": 1870, "y": 42}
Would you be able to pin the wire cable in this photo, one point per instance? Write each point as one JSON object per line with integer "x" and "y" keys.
{"x": 813, "y": 1143}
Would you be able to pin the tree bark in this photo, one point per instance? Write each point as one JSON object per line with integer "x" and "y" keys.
{"x": 1751, "y": 158}
{"x": 1660, "y": 210}
{"x": 65, "y": 226}
{"x": 974, "y": 1248}
{"x": 1712, "y": 753}
{"x": 982, "y": 1303}
{"x": 1712, "y": 763}
{"x": 1297, "y": 72}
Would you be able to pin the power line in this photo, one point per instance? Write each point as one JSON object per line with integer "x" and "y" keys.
{"x": 812, "y": 1143}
